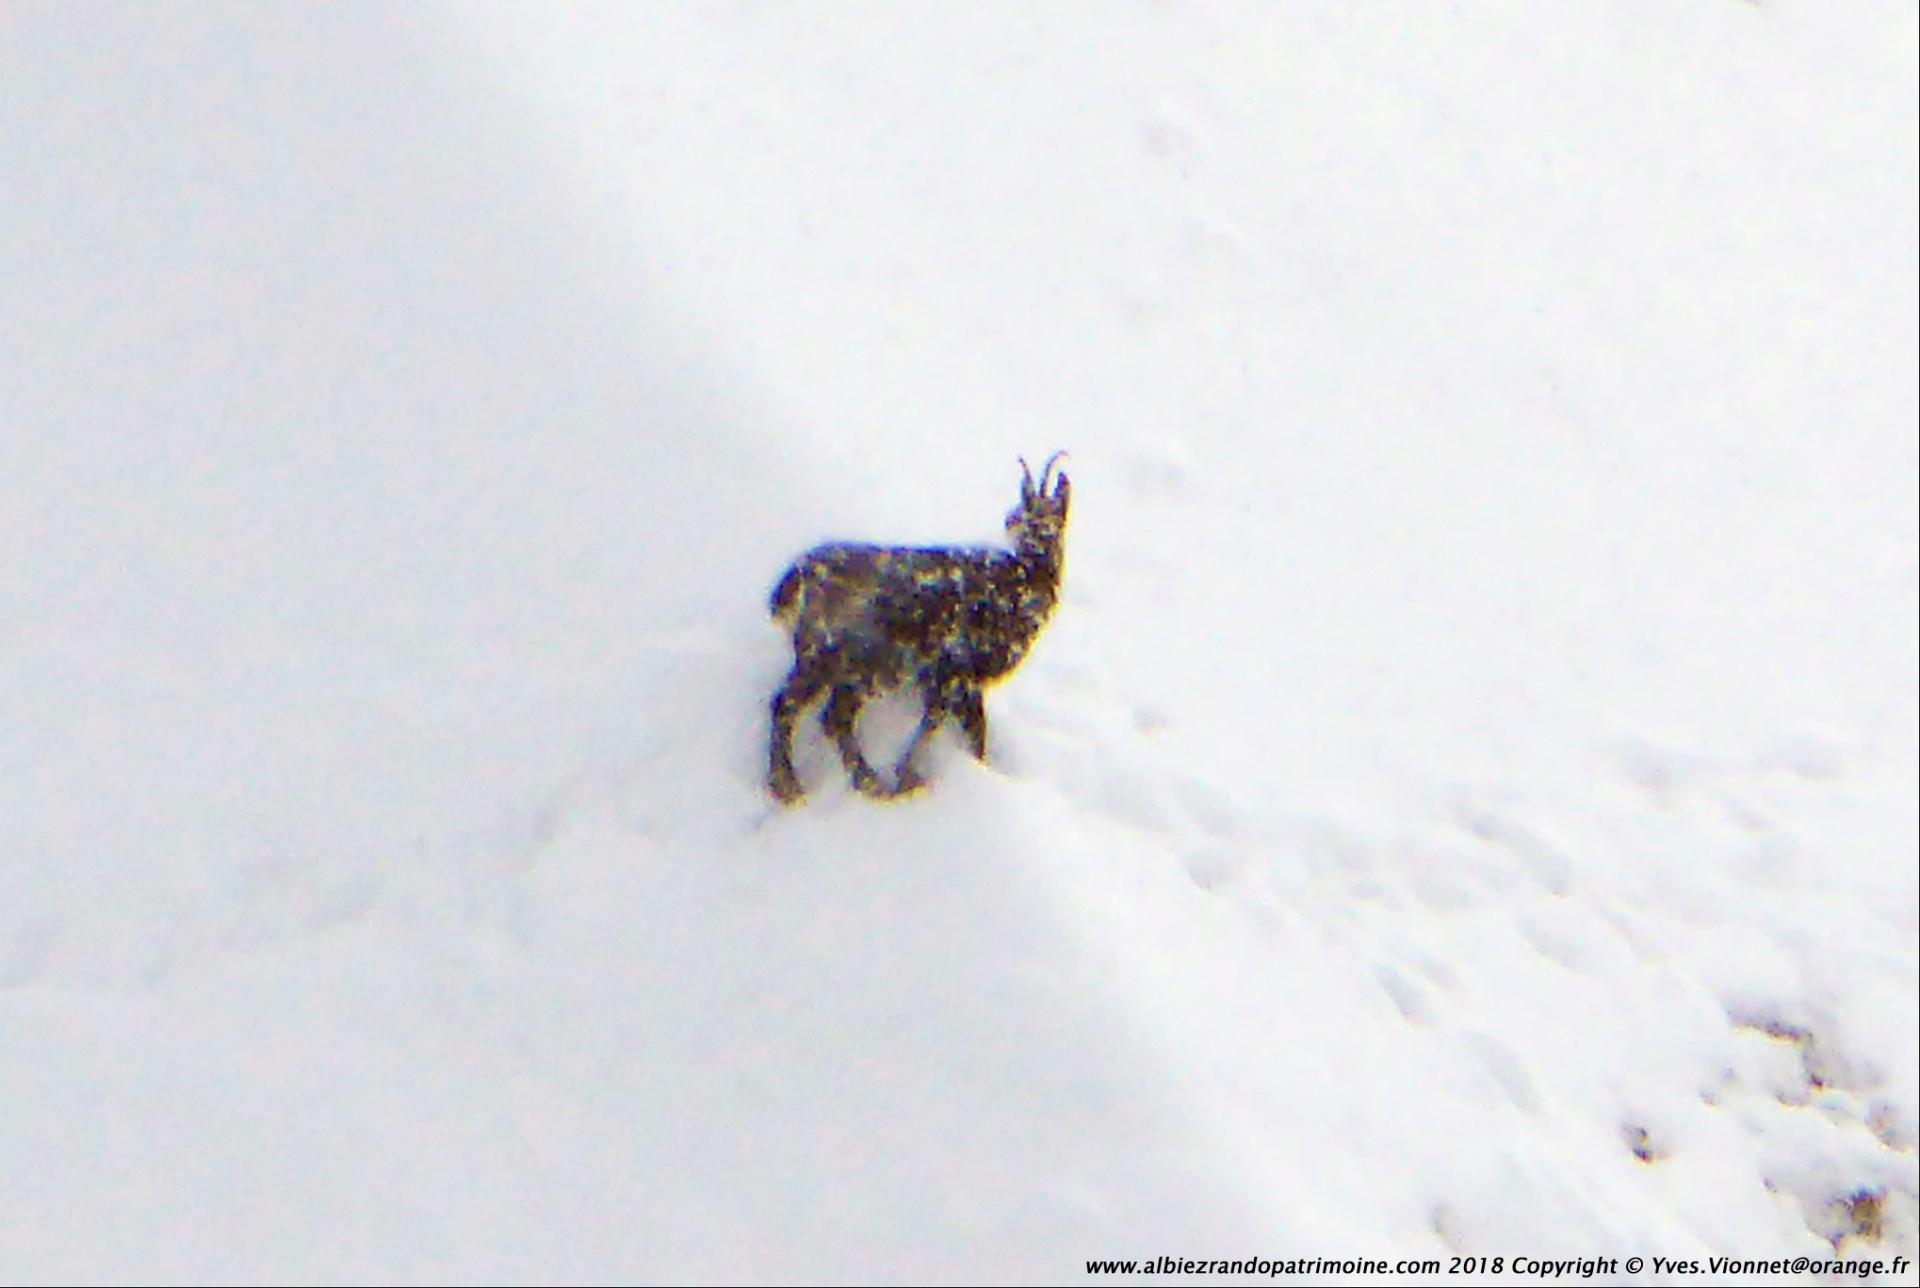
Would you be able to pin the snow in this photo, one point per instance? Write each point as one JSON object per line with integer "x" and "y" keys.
{"x": 1465, "y": 804}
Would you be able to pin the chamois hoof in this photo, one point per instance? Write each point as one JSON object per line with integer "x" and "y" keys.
{"x": 785, "y": 787}
{"x": 907, "y": 782}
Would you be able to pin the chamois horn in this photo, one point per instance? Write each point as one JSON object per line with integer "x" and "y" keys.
{"x": 1047, "y": 469}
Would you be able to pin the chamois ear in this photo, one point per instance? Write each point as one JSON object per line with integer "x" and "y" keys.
{"x": 1060, "y": 492}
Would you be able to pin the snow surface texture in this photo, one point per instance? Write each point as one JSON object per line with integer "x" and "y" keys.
{"x": 1465, "y": 802}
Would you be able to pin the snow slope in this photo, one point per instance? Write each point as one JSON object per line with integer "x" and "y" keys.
{"x": 1466, "y": 803}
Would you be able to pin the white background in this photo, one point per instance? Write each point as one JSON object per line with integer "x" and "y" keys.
{"x": 1477, "y": 737}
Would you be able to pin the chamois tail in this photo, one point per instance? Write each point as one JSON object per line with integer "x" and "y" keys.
{"x": 785, "y": 601}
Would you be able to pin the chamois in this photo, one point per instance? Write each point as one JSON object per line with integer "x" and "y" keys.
{"x": 869, "y": 619}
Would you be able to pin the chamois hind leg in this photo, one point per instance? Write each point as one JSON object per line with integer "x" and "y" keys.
{"x": 839, "y": 719}
{"x": 802, "y": 685}
{"x": 906, "y": 777}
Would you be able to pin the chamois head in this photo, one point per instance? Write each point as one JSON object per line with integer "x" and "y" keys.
{"x": 1038, "y": 521}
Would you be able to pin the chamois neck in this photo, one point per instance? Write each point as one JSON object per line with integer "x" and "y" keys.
{"x": 1040, "y": 560}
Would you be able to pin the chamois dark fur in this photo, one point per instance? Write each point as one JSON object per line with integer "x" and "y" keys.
{"x": 947, "y": 621}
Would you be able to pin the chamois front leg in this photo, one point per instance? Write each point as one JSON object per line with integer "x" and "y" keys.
{"x": 956, "y": 699}
{"x": 906, "y": 777}
{"x": 840, "y": 719}
{"x": 971, "y": 708}
{"x": 802, "y": 685}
